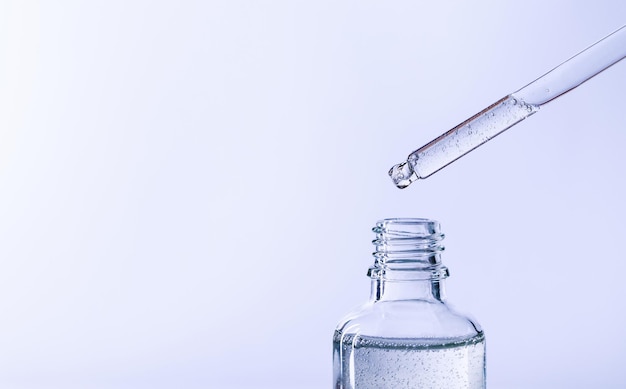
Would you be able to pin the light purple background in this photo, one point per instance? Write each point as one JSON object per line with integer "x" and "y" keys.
{"x": 187, "y": 188}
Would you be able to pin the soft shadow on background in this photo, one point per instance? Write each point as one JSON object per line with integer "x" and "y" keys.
{"x": 187, "y": 188}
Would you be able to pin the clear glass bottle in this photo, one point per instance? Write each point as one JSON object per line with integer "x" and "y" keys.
{"x": 406, "y": 336}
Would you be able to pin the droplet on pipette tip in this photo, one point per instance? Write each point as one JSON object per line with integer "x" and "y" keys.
{"x": 402, "y": 175}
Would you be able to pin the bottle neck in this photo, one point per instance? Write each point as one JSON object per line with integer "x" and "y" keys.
{"x": 407, "y": 262}
{"x": 384, "y": 290}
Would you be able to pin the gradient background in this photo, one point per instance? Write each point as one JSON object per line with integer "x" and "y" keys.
{"x": 187, "y": 187}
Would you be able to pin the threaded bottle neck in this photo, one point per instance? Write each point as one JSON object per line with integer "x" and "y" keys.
{"x": 407, "y": 250}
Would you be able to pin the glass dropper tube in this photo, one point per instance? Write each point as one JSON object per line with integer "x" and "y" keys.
{"x": 510, "y": 110}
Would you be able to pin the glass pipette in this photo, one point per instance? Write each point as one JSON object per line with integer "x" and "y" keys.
{"x": 510, "y": 110}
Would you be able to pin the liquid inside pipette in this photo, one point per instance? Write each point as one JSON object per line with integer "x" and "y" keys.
{"x": 460, "y": 140}
{"x": 510, "y": 110}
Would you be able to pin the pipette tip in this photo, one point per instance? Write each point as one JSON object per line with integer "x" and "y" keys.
{"x": 402, "y": 175}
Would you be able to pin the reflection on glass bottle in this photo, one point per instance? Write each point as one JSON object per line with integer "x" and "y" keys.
{"x": 406, "y": 336}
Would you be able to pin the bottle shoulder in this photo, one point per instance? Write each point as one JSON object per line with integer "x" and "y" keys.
{"x": 409, "y": 319}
